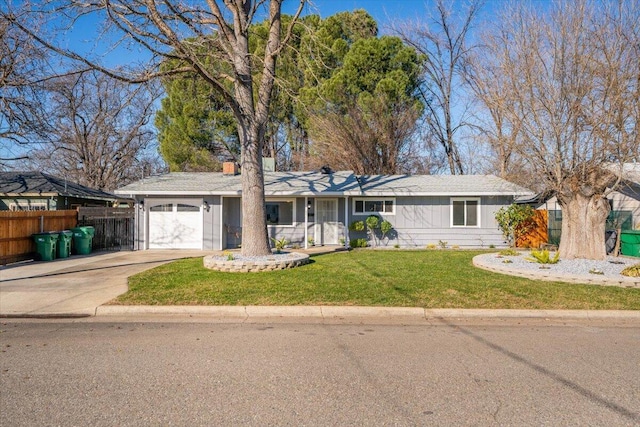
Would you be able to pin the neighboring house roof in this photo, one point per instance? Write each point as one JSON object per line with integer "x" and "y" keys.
{"x": 38, "y": 184}
{"x": 631, "y": 172}
{"x": 342, "y": 183}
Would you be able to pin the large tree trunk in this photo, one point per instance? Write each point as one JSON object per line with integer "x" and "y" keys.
{"x": 255, "y": 240}
{"x": 583, "y": 226}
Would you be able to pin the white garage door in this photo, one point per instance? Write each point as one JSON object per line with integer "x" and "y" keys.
{"x": 175, "y": 226}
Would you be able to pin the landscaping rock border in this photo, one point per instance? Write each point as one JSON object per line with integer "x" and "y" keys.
{"x": 241, "y": 264}
{"x": 490, "y": 262}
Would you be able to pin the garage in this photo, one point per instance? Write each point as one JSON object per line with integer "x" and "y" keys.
{"x": 176, "y": 225}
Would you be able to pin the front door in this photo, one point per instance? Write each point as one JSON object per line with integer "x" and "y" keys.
{"x": 327, "y": 225}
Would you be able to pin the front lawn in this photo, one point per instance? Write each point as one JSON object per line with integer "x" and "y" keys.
{"x": 430, "y": 279}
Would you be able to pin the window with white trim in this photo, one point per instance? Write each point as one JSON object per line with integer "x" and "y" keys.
{"x": 369, "y": 206}
{"x": 26, "y": 206}
{"x": 465, "y": 212}
{"x": 280, "y": 212}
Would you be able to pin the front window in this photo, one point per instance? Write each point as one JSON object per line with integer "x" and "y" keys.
{"x": 27, "y": 206}
{"x": 465, "y": 212}
{"x": 280, "y": 212}
{"x": 368, "y": 206}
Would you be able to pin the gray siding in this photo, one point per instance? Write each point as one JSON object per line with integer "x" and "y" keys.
{"x": 211, "y": 226}
{"x": 417, "y": 222}
{"x": 422, "y": 221}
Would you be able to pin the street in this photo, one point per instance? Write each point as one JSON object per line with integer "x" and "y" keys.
{"x": 444, "y": 372}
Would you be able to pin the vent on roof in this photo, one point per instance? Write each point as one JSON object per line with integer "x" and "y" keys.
{"x": 326, "y": 170}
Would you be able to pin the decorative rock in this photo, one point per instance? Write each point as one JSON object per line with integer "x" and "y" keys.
{"x": 240, "y": 264}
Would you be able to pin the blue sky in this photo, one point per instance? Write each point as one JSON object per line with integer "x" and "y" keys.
{"x": 83, "y": 37}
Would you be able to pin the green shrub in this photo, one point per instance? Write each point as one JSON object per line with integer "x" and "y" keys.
{"x": 515, "y": 221}
{"x": 373, "y": 222}
{"x": 358, "y": 243}
{"x": 543, "y": 257}
{"x": 356, "y": 226}
{"x": 509, "y": 252}
{"x": 279, "y": 244}
{"x": 631, "y": 271}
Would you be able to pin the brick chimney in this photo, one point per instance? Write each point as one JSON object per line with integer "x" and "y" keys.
{"x": 230, "y": 168}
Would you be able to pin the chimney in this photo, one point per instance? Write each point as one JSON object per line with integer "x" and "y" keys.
{"x": 230, "y": 168}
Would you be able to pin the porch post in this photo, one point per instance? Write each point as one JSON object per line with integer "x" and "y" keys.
{"x": 222, "y": 239}
{"x": 306, "y": 222}
{"x": 345, "y": 232}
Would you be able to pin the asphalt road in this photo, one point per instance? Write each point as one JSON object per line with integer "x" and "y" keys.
{"x": 473, "y": 372}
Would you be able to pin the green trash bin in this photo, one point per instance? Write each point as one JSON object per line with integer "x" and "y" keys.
{"x": 630, "y": 243}
{"x": 82, "y": 239}
{"x": 46, "y": 245}
{"x": 64, "y": 244}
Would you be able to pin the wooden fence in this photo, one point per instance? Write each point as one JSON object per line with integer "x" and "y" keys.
{"x": 538, "y": 235}
{"x": 17, "y": 228}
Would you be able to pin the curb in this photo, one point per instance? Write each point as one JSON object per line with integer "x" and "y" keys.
{"x": 336, "y": 313}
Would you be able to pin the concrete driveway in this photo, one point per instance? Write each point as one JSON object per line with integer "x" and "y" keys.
{"x": 75, "y": 286}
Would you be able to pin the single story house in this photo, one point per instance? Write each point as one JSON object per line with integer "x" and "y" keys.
{"x": 203, "y": 210}
{"x": 30, "y": 191}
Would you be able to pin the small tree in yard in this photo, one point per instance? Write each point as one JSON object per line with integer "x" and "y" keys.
{"x": 373, "y": 223}
{"x": 385, "y": 229}
{"x": 515, "y": 221}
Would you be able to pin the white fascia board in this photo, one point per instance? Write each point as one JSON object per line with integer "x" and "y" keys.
{"x": 178, "y": 193}
{"x": 302, "y": 193}
{"x": 442, "y": 194}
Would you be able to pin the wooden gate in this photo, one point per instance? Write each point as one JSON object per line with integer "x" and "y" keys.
{"x": 538, "y": 235}
{"x": 114, "y": 227}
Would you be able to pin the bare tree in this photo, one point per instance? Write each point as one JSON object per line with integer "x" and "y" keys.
{"x": 95, "y": 129}
{"x": 573, "y": 77}
{"x": 444, "y": 42}
{"x": 368, "y": 141}
{"x": 21, "y": 67}
{"x": 182, "y": 31}
{"x": 493, "y": 126}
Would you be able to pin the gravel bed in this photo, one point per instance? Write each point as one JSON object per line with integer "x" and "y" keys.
{"x": 611, "y": 267}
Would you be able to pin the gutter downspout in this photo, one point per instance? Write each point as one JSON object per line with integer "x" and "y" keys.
{"x": 306, "y": 222}
{"x": 345, "y": 232}
{"x": 222, "y": 238}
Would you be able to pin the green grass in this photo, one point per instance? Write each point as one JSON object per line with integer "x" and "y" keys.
{"x": 430, "y": 279}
